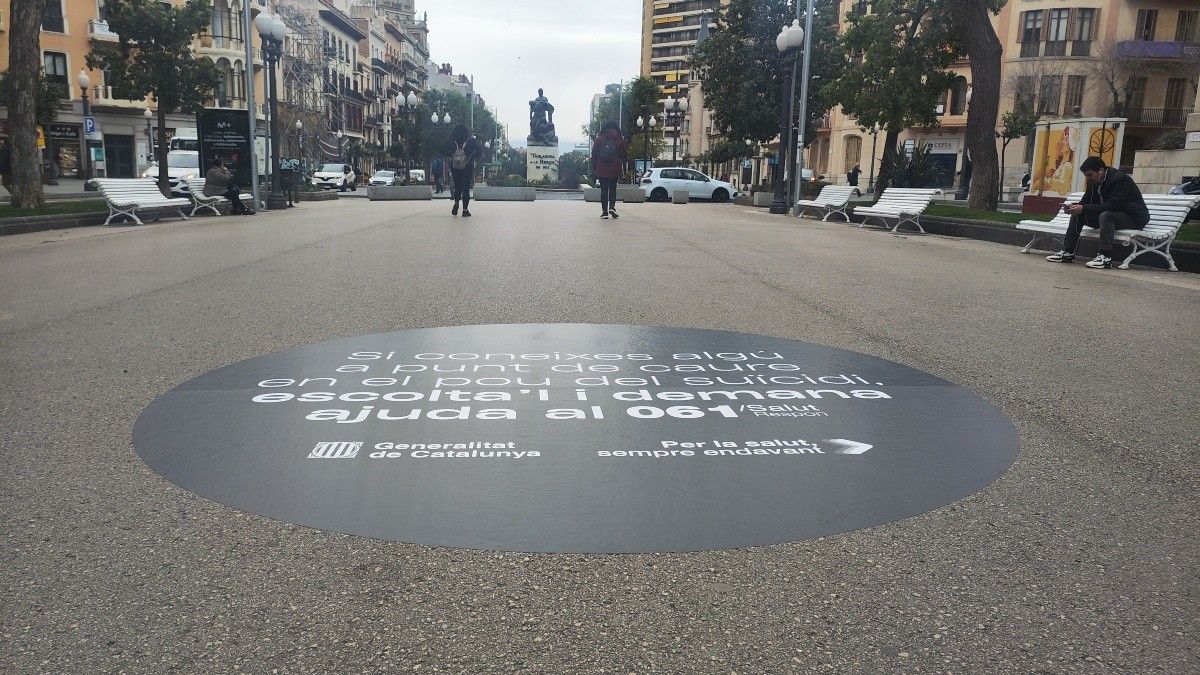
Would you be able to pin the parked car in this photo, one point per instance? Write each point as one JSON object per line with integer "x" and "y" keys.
{"x": 338, "y": 177}
{"x": 658, "y": 185}
{"x": 384, "y": 178}
{"x": 181, "y": 165}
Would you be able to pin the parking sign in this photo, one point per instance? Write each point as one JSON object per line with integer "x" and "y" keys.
{"x": 89, "y": 125}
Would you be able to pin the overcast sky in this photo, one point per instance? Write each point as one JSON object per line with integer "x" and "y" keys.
{"x": 571, "y": 48}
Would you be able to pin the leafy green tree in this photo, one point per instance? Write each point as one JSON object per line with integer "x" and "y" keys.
{"x": 896, "y": 73}
{"x": 153, "y": 57}
{"x": 573, "y": 168}
{"x": 1017, "y": 123}
{"x": 21, "y": 99}
{"x": 417, "y": 139}
{"x": 744, "y": 73}
{"x": 641, "y": 97}
{"x": 972, "y": 22}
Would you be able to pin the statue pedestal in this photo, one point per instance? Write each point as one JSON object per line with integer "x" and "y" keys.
{"x": 541, "y": 163}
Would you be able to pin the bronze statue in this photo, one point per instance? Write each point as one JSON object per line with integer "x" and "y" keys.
{"x": 541, "y": 121}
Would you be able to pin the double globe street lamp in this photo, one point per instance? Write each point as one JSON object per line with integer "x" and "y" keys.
{"x": 673, "y": 111}
{"x": 788, "y": 42}
{"x": 647, "y": 125}
{"x": 272, "y": 31}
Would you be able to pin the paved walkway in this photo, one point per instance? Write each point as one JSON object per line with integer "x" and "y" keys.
{"x": 1082, "y": 558}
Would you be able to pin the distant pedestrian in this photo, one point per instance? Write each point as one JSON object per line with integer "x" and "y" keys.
{"x": 852, "y": 176}
{"x": 437, "y": 168}
{"x": 219, "y": 182}
{"x": 463, "y": 152}
{"x": 609, "y": 154}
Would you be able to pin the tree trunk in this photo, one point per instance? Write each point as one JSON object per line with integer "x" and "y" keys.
{"x": 890, "y": 139}
{"x": 24, "y": 70}
{"x": 164, "y": 178}
{"x": 973, "y": 21}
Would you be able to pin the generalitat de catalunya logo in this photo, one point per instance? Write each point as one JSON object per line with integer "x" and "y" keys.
{"x": 335, "y": 450}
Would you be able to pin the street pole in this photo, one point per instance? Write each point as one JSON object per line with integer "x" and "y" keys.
{"x": 272, "y": 31}
{"x": 788, "y": 42}
{"x": 804, "y": 77}
{"x": 247, "y": 34}
{"x": 87, "y": 142}
{"x": 874, "y": 142}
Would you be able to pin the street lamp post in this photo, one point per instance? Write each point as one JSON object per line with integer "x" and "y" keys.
{"x": 789, "y": 40}
{"x": 874, "y": 142}
{"x": 300, "y": 144}
{"x": 408, "y": 104}
{"x": 84, "y": 83}
{"x": 673, "y": 110}
{"x": 272, "y": 31}
{"x": 149, "y": 114}
{"x": 647, "y": 124}
{"x": 341, "y": 153}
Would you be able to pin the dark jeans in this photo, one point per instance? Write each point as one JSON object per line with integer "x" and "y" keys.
{"x": 1107, "y": 222}
{"x": 608, "y": 194}
{"x": 233, "y": 194}
{"x": 461, "y": 179}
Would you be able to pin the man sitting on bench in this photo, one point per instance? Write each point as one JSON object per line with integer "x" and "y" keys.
{"x": 1111, "y": 202}
{"x": 218, "y": 182}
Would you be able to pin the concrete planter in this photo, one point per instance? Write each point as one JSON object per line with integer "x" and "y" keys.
{"x": 762, "y": 198}
{"x": 316, "y": 196}
{"x": 486, "y": 193}
{"x": 680, "y": 197}
{"x": 391, "y": 193}
{"x": 591, "y": 194}
{"x": 630, "y": 194}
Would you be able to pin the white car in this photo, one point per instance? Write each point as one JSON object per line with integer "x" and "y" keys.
{"x": 335, "y": 177}
{"x": 181, "y": 165}
{"x": 384, "y": 178}
{"x": 658, "y": 185}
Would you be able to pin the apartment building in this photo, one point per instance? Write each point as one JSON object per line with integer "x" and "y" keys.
{"x": 1137, "y": 59}
{"x": 670, "y": 30}
{"x": 68, "y": 31}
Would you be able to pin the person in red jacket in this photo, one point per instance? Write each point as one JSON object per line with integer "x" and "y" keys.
{"x": 609, "y": 154}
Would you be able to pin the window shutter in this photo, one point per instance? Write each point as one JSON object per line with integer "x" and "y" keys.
{"x": 1021, "y": 27}
{"x": 1095, "y": 23}
{"x": 1072, "y": 16}
{"x": 1045, "y": 24}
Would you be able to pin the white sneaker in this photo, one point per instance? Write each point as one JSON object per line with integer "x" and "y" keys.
{"x": 1100, "y": 262}
{"x": 1061, "y": 256}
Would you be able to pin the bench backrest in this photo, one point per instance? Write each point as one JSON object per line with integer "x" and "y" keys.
{"x": 1167, "y": 212}
{"x": 909, "y": 199}
{"x": 130, "y": 190}
{"x": 835, "y": 194}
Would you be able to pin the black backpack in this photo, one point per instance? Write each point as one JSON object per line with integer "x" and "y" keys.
{"x": 608, "y": 150}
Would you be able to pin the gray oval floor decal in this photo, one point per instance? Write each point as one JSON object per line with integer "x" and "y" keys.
{"x": 576, "y": 438}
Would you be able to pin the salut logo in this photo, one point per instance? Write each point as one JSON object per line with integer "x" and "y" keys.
{"x": 335, "y": 450}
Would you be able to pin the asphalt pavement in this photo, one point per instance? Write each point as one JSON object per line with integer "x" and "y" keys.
{"x": 1081, "y": 558}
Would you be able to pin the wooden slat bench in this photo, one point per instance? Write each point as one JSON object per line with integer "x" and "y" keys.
{"x": 127, "y": 196}
{"x": 905, "y": 205}
{"x": 202, "y": 201}
{"x": 833, "y": 199}
{"x": 1167, "y": 214}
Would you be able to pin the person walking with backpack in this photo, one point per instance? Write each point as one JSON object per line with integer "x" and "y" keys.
{"x": 609, "y": 154}
{"x": 463, "y": 151}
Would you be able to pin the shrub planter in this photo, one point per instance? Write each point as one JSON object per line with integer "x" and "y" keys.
{"x": 762, "y": 199}
{"x": 630, "y": 194}
{"x": 487, "y": 193}
{"x": 322, "y": 196}
{"x": 392, "y": 193}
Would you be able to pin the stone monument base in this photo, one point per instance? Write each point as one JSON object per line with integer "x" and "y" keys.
{"x": 541, "y": 163}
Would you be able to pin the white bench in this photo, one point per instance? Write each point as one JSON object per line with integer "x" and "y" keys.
{"x": 1167, "y": 214}
{"x": 902, "y": 204}
{"x": 833, "y": 199}
{"x": 126, "y": 196}
{"x": 202, "y": 201}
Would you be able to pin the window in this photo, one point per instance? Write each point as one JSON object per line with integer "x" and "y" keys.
{"x": 1026, "y": 92}
{"x": 1056, "y": 36}
{"x": 1085, "y": 30}
{"x": 1050, "y": 94}
{"x": 1135, "y": 97}
{"x": 52, "y": 17}
{"x": 1073, "y": 104}
{"x": 55, "y": 64}
{"x": 853, "y": 151}
{"x": 1185, "y": 30}
{"x": 1031, "y": 34}
{"x": 1146, "y": 21}
{"x": 1174, "y": 113}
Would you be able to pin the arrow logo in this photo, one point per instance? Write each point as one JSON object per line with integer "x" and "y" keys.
{"x": 850, "y": 447}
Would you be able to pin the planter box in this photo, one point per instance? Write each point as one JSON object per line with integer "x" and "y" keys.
{"x": 630, "y": 194}
{"x": 762, "y": 198}
{"x": 680, "y": 196}
{"x": 486, "y": 193}
{"x": 591, "y": 194}
{"x": 315, "y": 196}
{"x": 392, "y": 193}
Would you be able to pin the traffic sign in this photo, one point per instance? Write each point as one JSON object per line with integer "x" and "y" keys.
{"x": 89, "y": 125}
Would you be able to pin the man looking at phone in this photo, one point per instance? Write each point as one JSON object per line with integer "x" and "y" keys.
{"x": 1111, "y": 202}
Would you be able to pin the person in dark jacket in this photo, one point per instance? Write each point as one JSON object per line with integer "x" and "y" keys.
{"x": 461, "y": 152}
{"x": 219, "y": 182}
{"x": 438, "y": 168}
{"x": 609, "y": 154}
{"x": 852, "y": 176}
{"x": 1111, "y": 202}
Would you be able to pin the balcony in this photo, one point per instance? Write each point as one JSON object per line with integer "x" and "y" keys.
{"x": 99, "y": 31}
{"x": 1158, "y": 50}
{"x": 378, "y": 65}
{"x": 1166, "y": 118}
{"x": 374, "y": 120}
